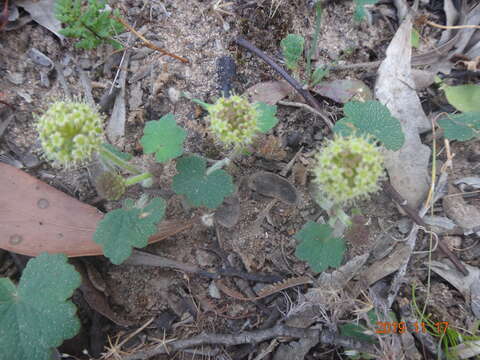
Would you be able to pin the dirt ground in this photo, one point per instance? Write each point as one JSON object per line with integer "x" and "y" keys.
{"x": 183, "y": 304}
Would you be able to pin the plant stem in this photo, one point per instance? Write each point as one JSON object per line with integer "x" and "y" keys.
{"x": 294, "y": 83}
{"x": 137, "y": 178}
{"x": 413, "y": 214}
{"x": 110, "y": 156}
{"x": 218, "y": 165}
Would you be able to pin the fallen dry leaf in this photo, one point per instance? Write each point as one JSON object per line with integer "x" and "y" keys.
{"x": 42, "y": 12}
{"x": 456, "y": 208}
{"x": 269, "y": 92}
{"x": 37, "y": 218}
{"x": 271, "y": 148}
{"x": 344, "y": 90}
{"x": 228, "y": 213}
{"x": 95, "y": 298}
{"x": 272, "y": 185}
{"x": 408, "y": 167}
{"x": 468, "y": 286}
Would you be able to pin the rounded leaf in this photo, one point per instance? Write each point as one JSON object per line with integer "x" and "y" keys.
{"x": 164, "y": 138}
{"x": 36, "y": 317}
{"x": 199, "y": 188}
{"x": 122, "y": 229}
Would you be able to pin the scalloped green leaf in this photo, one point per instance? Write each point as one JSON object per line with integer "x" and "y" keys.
{"x": 465, "y": 98}
{"x": 36, "y": 316}
{"x": 199, "y": 188}
{"x": 461, "y": 127}
{"x": 292, "y": 48}
{"x": 266, "y": 119}
{"x": 164, "y": 138}
{"x": 371, "y": 118}
{"x": 360, "y": 14}
{"x": 318, "y": 247}
{"x": 123, "y": 229}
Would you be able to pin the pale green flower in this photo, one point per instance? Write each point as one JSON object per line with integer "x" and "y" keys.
{"x": 348, "y": 168}
{"x": 70, "y": 132}
{"x": 233, "y": 120}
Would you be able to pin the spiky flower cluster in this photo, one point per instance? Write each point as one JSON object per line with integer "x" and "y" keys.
{"x": 348, "y": 168}
{"x": 234, "y": 120}
{"x": 70, "y": 132}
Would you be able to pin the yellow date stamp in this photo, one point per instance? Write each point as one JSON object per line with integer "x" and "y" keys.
{"x": 391, "y": 327}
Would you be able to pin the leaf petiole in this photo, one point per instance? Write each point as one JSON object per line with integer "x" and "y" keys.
{"x": 109, "y": 156}
{"x": 137, "y": 178}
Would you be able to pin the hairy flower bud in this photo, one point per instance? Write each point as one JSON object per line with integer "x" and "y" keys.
{"x": 110, "y": 185}
{"x": 70, "y": 132}
{"x": 348, "y": 168}
{"x": 234, "y": 120}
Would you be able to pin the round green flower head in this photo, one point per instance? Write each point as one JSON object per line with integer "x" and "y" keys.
{"x": 233, "y": 120}
{"x": 70, "y": 132}
{"x": 348, "y": 168}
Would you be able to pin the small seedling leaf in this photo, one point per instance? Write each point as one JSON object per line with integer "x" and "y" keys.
{"x": 359, "y": 331}
{"x": 319, "y": 74}
{"x": 372, "y": 118}
{"x": 292, "y": 48}
{"x": 164, "y": 138}
{"x": 199, "y": 188}
{"x": 461, "y": 127}
{"x": 92, "y": 24}
{"x": 318, "y": 247}
{"x": 267, "y": 119}
{"x": 36, "y": 316}
{"x": 122, "y": 229}
{"x": 465, "y": 98}
{"x": 360, "y": 8}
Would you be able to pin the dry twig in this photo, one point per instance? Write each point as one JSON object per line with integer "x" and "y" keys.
{"x": 447, "y": 27}
{"x": 148, "y": 43}
{"x": 327, "y": 120}
{"x": 248, "y": 337}
{"x": 305, "y": 93}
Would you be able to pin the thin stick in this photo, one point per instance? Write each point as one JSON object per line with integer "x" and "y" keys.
{"x": 148, "y": 43}
{"x": 294, "y": 83}
{"x": 419, "y": 221}
{"x": 366, "y": 65}
{"x": 247, "y": 337}
{"x": 447, "y": 27}
{"x": 117, "y": 347}
{"x": 327, "y": 120}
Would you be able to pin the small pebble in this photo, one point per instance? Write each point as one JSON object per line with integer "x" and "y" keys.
{"x": 213, "y": 291}
{"x": 174, "y": 95}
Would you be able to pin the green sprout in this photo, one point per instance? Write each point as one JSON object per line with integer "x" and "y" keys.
{"x": 348, "y": 168}
{"x": 293, "y": 47}
{"x": 93, "y": 23}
